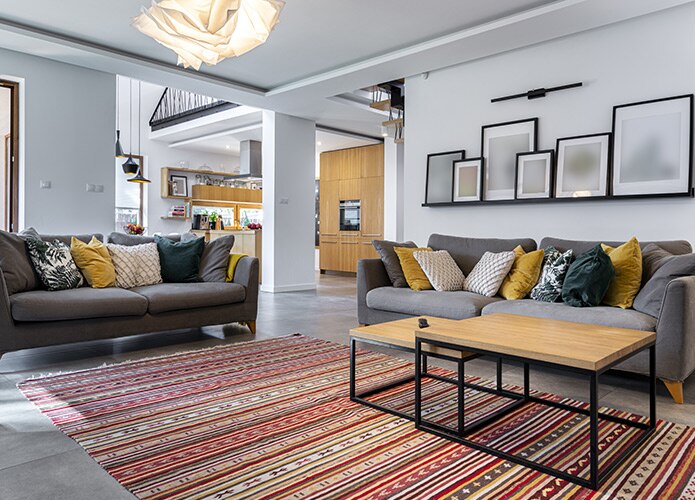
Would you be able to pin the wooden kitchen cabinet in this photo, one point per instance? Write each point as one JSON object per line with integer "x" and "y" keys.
{"x": 329, "y": 254}
{"x": 329, "y": 203}
{"x": 372, "y": 207}
{"x": 350, "y": 189}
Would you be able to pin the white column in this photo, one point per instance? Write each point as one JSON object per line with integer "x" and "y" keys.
{"x": 289, "y": 162}
{"x": 393, "y": 190}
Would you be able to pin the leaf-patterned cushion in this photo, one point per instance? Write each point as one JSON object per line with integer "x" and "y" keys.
{"x": 555, "y": 266}
{"x": 54, "y": 264}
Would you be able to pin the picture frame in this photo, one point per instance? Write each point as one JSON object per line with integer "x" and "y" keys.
{"x": 652, "y": 147}
{"x": 179, "y": 185}
{"x": 467, "y": 182}
{"x": 439, "y": 181}
{"x": 500, "y": 143}
{"x": 583, "y": 166}
{"x": 535, "y": 175}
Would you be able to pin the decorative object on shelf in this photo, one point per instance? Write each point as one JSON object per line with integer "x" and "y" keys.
{"x": 500, "y": 144}
{"x": 209, "y": 31}
{"x": 140, "y": 178}
{"x": 467, "y": 179}
{"x": 535, "y": 175}
{"x": 583, "y": 166}
{"x": 537, "y": 93}
{"x": 213, "y": 218}
{"x": 179, "y": 185}
{"x": 652, "y": 152}
{"x": 135, "y": 229}
{"x": 440, "y": 179}
{"x": 254, "y": 226}
{"x": 201, "y": 222}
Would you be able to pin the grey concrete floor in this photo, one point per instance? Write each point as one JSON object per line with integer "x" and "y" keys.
{"x": 38, "y": 462}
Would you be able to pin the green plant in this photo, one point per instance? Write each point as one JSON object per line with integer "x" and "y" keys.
{"x": 213, "y": 217}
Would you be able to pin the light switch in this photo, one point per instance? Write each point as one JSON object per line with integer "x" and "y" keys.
{"x": 45, "y": 184}
{"x": 91, "y": 188}
{"x": 99, "y": 188}
{"x": 284, "y": 201}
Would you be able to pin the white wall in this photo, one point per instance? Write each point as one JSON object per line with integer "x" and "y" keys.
{"x": 645, "y": 58}
{"x": 158, "y": 154}
{"x": 68, "y": 139}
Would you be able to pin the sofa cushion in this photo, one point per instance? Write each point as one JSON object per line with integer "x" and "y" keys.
{"x": 601, "y": 315}
{"x": 16, "y": 264}
{"x": 136, "y": 265}
{"x": 177, "y": 296}
{"x": 414, "y": 275}
{"x": 555, "y": 266}
{"x": 588, "y": 279}
{"x": 392, "y": 263}
{"x": 55, "y": 265}
{"x": 441, "y": 270}
{"x": 489, "y": 273}
{"x": 468, "y": 251}
{"x": 627, "y": 261}
{"x": 78, "y": 303}
{"x": 180, "y": 260}
{"x": 451, "y": 305}
{"x": 215, "y": 259}
{"x": 669, "y": 267}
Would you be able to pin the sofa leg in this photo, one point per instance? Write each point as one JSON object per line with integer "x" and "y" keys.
{"x": 675, "y": 388}
{"x": 252, "y": 326}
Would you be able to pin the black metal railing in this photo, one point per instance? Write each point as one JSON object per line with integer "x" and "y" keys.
{"x": 178, "y": 106}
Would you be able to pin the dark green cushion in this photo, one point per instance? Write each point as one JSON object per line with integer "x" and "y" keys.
{"x": 588, "y": 279}
{"x": 180, "y": 260}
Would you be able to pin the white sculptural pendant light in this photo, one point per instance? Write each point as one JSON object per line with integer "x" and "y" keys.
{"x": 208, "y": 31}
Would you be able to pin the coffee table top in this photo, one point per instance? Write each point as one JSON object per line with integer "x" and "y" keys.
{"x": 401, "y": 333}
{"x": 577, "y": 345}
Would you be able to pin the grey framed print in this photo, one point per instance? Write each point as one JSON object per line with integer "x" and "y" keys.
{"x": 467, "y": 177}
{"x": 440, "y": 176}
{"x": 583, "y": 166}
{"x": 500, "y": 144}
{"x": 535, "y": 175}
{"x": 653, "y": 152}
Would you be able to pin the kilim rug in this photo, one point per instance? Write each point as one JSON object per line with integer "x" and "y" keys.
{"x": 272, "y": 419}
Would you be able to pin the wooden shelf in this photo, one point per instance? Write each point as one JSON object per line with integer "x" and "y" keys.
{"x": 198, "y": 171}
{"x": 172, "y": 197}
{"x": 381, "y": 105}
{"x": 557, "y": 200}
{"x": 393, "y": 123}
{"x": 399, "y": 141}
{"x": 174, "y": 217}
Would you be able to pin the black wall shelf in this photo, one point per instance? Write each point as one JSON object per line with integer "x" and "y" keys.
{"x": 559, "y": 200}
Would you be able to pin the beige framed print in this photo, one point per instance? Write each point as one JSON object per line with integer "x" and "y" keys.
{"x": 467, "y": 176}
{"x": 583, "y": 166}
{"x": 535, "y": 175}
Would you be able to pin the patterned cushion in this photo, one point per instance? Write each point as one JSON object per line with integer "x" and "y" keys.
{"x": 136, "y": 265}
{"x": 489, "y": 273}
{"x": 555, "y": 266}
{"x": 54, "y": 264}
{"x": 441, "y": 270}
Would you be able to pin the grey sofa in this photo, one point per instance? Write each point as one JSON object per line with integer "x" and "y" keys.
{"x": 379, "y": 302}
{"x": 38, "y": 318}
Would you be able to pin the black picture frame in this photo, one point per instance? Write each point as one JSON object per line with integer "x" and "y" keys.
{"x": 462, "y": 155}
{"x": 175, "y": 178}
{"x": 617, "y": 141}
{"x": 481, "y": 161}
{"x": 552, "y": 167}
{"x": 559, "y": 172}
{"x": 486, "y": 163}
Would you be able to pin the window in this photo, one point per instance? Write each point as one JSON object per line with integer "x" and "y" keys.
{"x": 130, "y": 197}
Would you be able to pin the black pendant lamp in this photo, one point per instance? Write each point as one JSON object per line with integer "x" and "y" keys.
{"x": 119, "y": 149}
{"x": 130, "y": 166}
{"x": 139, "y": 178}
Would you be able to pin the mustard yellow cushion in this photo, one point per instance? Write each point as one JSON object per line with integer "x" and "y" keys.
{"x": 524, "y": 275}
{"x": 231, "y": 267}
{"x": 414, "y": 275}
{"x": 94, "y": 261}
{"x": 627, "y": 261}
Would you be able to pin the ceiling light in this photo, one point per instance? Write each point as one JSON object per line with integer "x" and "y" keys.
{"x": 228, "y": 146}
{"x": 208, "y": 31}
{"x": 318, "y": 143}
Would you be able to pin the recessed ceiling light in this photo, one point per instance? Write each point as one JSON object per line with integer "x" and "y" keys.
{"x": 318, "y": 143}
{"x": 228, "y": 146}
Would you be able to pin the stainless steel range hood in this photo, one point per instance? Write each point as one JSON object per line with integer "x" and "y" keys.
{"x": 251, "y": 160}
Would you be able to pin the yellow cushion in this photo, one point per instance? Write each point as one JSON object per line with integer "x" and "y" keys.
{"x": 627, "y": 261}
{"x": 414, "y": 275}
{"x": 524, "y": 274}
{"x": 94, "y": 261}
{"x": 233, "y": 261}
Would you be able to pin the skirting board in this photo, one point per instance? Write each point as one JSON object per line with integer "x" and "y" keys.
{"x": 288, "y": 288}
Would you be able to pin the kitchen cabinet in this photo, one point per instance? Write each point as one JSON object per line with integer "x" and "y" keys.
{"x": 329, "y": 201}
{"x": 372, "y": 207}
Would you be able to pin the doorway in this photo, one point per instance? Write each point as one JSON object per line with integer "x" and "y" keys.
{"x": 9, "y": 133}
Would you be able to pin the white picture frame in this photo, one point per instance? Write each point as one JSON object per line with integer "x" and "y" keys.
{"x": 467, "y": 184}
{"x": 583, "y": 166}
{"x": 535, "y": 175}
{"x": 500, "y": 144}
{"x": 653, "y": 151}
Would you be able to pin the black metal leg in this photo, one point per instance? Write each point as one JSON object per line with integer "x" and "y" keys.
{"x": 353, "y": 368}
{"x": 593, "y": 430}
{"x": 424, "y": 364}
{"x": 461, "y": 399}
{"x": 652, "y": 387}
{"x": 526, "y": 380}
{"x": 499, "y": 374}
{"x": 418, "y": 381}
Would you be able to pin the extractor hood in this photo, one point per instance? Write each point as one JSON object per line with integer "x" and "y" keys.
{"x": 251, "y": 164}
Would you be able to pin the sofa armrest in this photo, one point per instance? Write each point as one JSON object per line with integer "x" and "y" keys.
{"x": 6, "y": 321}
{"x": 371, "y": 274}
{"x": 675, "y": 330}
{"x": 246, "y": 274}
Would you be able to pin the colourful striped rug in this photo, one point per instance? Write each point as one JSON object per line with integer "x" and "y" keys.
{"x": 272, "y": 419}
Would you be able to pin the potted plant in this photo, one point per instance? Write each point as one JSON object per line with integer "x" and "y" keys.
{"x": 213, "y": 217}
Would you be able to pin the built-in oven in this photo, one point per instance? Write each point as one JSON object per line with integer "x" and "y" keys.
{"x": 349, "y": 215}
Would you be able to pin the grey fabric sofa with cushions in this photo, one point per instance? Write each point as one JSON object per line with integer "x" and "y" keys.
{"x": 378, "y": 301}
{"x": 31, "y": 317}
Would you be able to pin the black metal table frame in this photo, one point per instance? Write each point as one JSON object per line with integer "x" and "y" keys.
{"x": 596, "y": 477}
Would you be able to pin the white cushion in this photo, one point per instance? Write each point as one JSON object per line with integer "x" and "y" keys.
{"x": 136, "y": 265}
{"x": 489, "y": 273}
{"x": 441, "y": 269}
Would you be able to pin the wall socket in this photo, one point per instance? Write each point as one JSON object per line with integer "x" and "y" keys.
{"x": 45, "y": 184}
{"x": 95, "y": 188}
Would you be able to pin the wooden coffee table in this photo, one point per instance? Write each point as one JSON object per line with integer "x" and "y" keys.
{"x": 580, "y": 348}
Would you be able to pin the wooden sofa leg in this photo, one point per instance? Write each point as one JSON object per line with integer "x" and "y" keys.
{"x": 675, "y": 388}
{"x": 252, "y": 326}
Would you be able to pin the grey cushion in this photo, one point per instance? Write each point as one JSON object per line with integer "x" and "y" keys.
{"x": 78, "y": 303}
{"x": 178, "y": 296}
{"x": 667, "y": 268}
{"x": 391, "y": 261}
{"x": 452, "y": 305}
{"x": 468, "y": 251}
{"x": 16, "y": 264}
{"x": 602, "y": 315}
{"x": 67, "y": 238}
{"x": 130, "y": 240}
{"x": 215, "y": 259}
{"x": 676, "y": 247}
{"x": 653, "y": 257}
